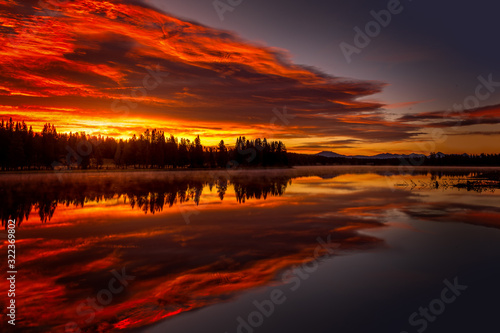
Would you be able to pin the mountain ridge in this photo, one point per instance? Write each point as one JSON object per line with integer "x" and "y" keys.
{"x": 332, "y": 154}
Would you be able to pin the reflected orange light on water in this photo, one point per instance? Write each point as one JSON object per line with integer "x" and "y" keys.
{"x": 224, "y": 248}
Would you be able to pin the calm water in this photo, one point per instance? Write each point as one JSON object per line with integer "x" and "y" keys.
{"x": 355, "y": 249}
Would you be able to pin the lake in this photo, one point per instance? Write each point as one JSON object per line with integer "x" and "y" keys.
{"x": 306, "y": 249}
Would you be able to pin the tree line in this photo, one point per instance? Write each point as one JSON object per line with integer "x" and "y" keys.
{"x": 23, "y": 149}
{"x": 409, "y": 163}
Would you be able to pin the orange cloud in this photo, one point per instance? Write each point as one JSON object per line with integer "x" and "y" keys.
{"x": 123, "y": 66}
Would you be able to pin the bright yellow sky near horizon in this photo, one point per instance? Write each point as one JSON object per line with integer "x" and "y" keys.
{"x": 116, "y": 69}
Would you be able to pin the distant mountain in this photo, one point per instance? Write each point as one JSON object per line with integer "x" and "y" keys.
{"x": 379, "y": 156}
{"x": 329, "y": 154}
{"x": 441, "y": 155}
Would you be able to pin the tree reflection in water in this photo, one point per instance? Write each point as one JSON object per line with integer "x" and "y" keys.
{"x": 150, "y": 195}
{"x": 151, "y": 191}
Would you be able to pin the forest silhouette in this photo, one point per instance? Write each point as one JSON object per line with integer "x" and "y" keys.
{"x": 22, "y": 149}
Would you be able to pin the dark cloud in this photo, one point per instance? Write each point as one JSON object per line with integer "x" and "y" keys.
{"x": 91, "y": 57}
{"x": 484, "y": 115}
{"x": 486, "y": 133}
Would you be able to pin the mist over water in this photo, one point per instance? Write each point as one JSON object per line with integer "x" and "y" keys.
{"x": 196, "y": 240}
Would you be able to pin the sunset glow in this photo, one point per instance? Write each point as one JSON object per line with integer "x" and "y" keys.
{"x": 115, "y": 68}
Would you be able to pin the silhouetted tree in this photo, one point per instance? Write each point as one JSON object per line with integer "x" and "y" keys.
{"x": 21, "y": 148}
{"x": 222, "y": 155}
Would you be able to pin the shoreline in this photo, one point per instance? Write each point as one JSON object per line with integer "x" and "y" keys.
{"x": 353, "y": 168}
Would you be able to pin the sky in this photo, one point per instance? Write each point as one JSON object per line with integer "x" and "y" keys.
{"x": 357, "y": 77}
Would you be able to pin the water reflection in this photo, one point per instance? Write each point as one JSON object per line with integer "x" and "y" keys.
{"x": 149, "y": 193}
{"x": 248, "y": 227}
